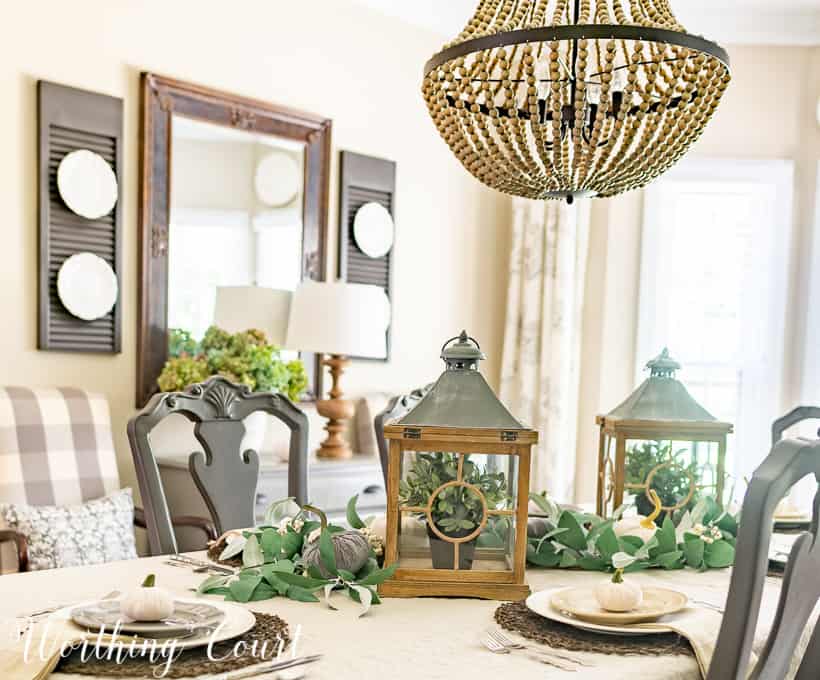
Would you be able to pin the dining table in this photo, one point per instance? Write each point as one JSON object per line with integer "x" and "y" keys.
{"x": 400, "y": 639}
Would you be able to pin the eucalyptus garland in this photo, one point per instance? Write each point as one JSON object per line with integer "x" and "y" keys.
{"x": 704, "y": 538}
{"x": 273, "y": 565}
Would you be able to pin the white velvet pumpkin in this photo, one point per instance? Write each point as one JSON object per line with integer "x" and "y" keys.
{"x": 147, "y": 603}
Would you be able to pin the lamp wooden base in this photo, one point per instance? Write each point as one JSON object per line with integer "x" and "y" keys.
{"x": 512, "y": 592}
{"x": 336, "y": 410}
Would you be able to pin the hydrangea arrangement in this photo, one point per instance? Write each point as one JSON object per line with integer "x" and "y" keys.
{"x": 246, "y": 358}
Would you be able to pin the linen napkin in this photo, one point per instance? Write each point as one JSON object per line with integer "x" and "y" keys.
{"x": 35, "y": 655}
{"x": 700, "y": 626}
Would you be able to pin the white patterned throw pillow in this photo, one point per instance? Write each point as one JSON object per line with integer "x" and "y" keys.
{"x": 58, "y": 536}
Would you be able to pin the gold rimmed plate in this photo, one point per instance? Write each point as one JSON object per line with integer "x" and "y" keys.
{"x": 581, "y": 603}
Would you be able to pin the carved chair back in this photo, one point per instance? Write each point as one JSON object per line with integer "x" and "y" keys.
{"x": 793, "y": 417}
{"x": 789, "y": 461}
{"x": 225, "y": 476}
{"x": 396, "y": 408}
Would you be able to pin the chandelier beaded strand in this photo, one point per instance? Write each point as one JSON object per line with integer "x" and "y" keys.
{"x": 565, "y": 98}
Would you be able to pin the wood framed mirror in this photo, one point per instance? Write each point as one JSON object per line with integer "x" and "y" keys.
{"x": 233, "y": 192}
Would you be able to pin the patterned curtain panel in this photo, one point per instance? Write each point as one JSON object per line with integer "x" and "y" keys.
{"x": 542, "y": 337}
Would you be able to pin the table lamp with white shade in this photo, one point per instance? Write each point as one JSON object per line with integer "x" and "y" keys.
{"x": 342, "y": 320}
{"x": 241, "y": 308}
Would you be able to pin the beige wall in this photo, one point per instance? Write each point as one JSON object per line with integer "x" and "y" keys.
{"x": 768, "y": 112}
{"x": 328, "y": 56}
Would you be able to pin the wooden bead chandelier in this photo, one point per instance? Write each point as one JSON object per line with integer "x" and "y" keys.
{"x": 565, "y": 98}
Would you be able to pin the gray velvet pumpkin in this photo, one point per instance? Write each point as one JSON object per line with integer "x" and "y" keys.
{"x": 352, "y": 549}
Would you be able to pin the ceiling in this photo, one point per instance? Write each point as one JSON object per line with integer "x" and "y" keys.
{"x": 757, "y": 22}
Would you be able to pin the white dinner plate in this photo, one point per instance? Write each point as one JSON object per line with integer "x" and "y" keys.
{"x": 87, "y": 286}
{"x": 539, "y": 603}
{"x": 87, "y": 184}
{"x": 237, "y": 621}
{"x": 373, "y": 230}
{"x": 278, "y": 179}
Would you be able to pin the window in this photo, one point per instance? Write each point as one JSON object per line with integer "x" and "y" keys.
{"x": 714, "y": 290}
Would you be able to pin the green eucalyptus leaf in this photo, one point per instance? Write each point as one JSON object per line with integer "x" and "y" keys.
{"x": 271, "y": 543}
{"x": 694, "y": 552}
{"x": 252, "y": 555}
{"x": 301, "y": 595}
{"x": 728, "y": 524}
{"x": 569, "y": 559}
{"x": 574, "y": 536}
{"x": 667, "y": 542}
{"x": 379, "y": 576}
{"x": 719, "y": 554}
{"x": 545, "y": 557}
{"x": 607, "y": 544}
{"x": 326, "y": 552}
{"x": 242, "y": 589}
{"x": 306, "y": 582}
{"x": 593, "y": 563}
{"x": 353, "y": 518}
{"x": 291, "y": 544}
{"x": 212, "y": 582}
{"x": 671, "y": 560}
{"x": 263, "y": 592}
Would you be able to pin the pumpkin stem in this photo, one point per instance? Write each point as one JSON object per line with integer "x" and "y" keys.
{"x": 149, "y": 581}
{"x": 317, "y": 511}
{"x": 618, "y": 576}
{"x": 649, "y": 522}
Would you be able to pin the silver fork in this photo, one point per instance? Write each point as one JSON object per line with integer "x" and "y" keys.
{"x": 55, "y": 608}
{"x": 508, "y": 643}
{"x": 709, "y": 605}
{"x": 497, "y": 648}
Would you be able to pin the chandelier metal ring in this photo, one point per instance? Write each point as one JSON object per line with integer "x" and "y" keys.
{"x": 579, "y": 32}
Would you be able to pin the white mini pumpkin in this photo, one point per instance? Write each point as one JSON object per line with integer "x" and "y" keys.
{"x": 147, "y": 603}
{"x": 617, "y": 595}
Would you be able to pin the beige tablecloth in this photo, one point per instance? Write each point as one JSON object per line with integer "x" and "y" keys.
{"x": 400, "y": 639}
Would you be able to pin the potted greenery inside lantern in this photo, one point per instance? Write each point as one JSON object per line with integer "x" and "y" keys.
{"x": 458, "y": 485}
{"x": 660, "y": 439}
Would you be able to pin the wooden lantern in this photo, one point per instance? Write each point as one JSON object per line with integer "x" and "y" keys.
{"x": 660, "y": 411}
{"x": 458, "y": 488}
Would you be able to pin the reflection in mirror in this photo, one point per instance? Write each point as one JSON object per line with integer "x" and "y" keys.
{"x": 235, "y": 219}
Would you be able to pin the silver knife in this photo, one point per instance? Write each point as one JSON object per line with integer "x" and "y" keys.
{"x": 274, "y": 666}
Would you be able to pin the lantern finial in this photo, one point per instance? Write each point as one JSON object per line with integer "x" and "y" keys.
{"x": 663, "y": 365}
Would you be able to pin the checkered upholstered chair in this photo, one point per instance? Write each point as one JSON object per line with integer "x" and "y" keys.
{"x": 56, "y": 448}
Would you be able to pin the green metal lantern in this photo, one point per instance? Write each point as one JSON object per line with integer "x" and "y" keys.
{"x": 458, "y": 487}
{"x": 660, "y": 438}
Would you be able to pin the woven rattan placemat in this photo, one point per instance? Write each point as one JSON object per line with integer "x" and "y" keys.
{"x": 192, "y": 662}
{"x": 515, "y": 617}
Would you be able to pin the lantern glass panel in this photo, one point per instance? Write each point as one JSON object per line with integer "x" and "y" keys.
{"x": 679, "y": 471}
{"x": 456, "y": 511}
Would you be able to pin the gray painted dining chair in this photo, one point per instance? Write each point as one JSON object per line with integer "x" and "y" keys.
{"x": 793, "y": 417}
{"x": 225, "y": 476}
{"x": 396, "y": 408}
{"x": 789, "y": 461}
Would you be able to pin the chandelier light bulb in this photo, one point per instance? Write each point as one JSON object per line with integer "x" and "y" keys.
{"x": 567, "y": 98}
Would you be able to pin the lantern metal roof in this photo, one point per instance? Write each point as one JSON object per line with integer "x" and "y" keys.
{"x": 461, "y": 396}
{"x": 661, "y": 396}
